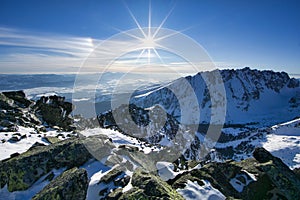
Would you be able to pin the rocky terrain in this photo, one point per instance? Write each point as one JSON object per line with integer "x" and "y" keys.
{"x": 46, "y": 153}
{"x": 244, "y": 94}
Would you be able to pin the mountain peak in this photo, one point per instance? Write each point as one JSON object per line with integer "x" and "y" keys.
{"x": 248, "y": 94}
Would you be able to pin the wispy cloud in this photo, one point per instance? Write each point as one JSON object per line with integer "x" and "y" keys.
{"x": 23, "y": 51}
{"x": 32, "y": 52}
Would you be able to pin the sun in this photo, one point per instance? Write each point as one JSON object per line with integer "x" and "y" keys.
{"x": 149, "y": 42}
{"x": 149, "y": 34}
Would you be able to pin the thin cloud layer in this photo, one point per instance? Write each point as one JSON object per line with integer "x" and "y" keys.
{"x": 33, "y": 52}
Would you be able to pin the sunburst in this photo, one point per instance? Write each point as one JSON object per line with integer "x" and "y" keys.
{"x": 149, "y": 40}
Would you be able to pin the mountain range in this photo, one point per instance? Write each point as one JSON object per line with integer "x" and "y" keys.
{"x": 147, "y": 149}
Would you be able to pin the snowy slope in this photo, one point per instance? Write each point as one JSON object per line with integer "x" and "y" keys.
{"x": 282, "y": 140}
{"x": 252, "y": 96}
{"x": 8, "y": 147}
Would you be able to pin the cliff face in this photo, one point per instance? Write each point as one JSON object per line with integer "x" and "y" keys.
{"x": 16, "y": 109}
{"x": 156, "y": 156}
{"x": 251, "y": 96}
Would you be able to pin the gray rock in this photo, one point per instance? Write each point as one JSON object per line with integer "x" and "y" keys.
{"x": 72, "y": 184}
{"x": 20, "y": 172}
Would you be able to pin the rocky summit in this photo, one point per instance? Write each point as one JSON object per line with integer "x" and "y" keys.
{"x": 141, "y": 151}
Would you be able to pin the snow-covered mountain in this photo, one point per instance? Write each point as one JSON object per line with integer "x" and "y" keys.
{"x": 46, "y": 152}
{"x": 251, "y": 96}
{"x": 41, "y": 157}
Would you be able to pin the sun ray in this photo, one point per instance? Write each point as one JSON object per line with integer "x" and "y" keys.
{"x": 140, "y": 55}
{"x": 135, "y": 20}
{"x": 175, "y": 33}
{"x": 164, "y": 20}
{"x": 160, "y": 58}
{"x": 131, "y": 35}
{"x": 149, "y": 19}
{"x": 149, "y": 54}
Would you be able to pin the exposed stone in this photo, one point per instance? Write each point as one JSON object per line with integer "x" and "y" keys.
{"x": 20, "y": 172}
{"x": 273, "y": 179}
{"x": 52, "y": 140}
{"x": 55, "y": 111}
{"x": 112, "y": 175}
{"x": 72, "y": 184}
{"x": 19, "y": 98}
{"x": 149, "y": 186}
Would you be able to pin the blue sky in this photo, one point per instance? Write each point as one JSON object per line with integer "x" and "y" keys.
{"x": 56, "y": 36}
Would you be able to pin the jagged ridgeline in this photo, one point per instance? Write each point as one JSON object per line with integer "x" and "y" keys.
{"x": 46, "y": 153}
{"x": 252, "y": 96}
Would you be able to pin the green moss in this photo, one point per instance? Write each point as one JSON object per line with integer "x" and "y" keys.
{"x": 52, "y": 140}
{"x": 15, "y": 181}
{"x": 72, "y": 184}
{"x": 153, "y": 186}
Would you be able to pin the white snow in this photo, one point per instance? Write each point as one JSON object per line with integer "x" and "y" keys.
{"x": 233, "y": 131}
{"x": 8, "y": 147}
{"x": 284, "y": 142}
{"x": 129, "y": 185}
{"x": 166, "y": 170}
{"x": 119, "y": 138}
{"x": 238, "y": 185}
{"x": 193, "y": 191}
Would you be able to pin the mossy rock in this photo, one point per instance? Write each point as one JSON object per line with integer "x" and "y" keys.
{"x": 274, "y": 180}
{"x": 51, "y": 139}
{"x": 22, "y": 171}
{"x": 72, "y": 184}
{"x": 149, "y": 186}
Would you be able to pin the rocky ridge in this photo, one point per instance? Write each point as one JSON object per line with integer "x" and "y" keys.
{"x": 246, "y": 96}
{"x": 134, "y": 167}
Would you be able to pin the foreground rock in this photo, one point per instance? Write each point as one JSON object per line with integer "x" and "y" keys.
{"x": 72, "y": 184}
{"x": 22, "y": 171}
{"x": 262, "y": 177}
{"x": 16, "y": 110}
{"x": 55, "y": 111}
{"x": 146, "y": 186}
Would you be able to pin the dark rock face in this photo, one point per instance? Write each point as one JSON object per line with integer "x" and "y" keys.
{"x": 139, "y": 117}
{"x": 55, "y": 111}
{"x": 72, "y": 184}
{"x": 20, "y": 172}
{"x": 114, "y": 179}
{"x": 19, "y": 97}
{"x": 297, "y": 172}
{"x": 16, "y": 109}
{"x": 148, "y": 186}
{"x": 273, "y": 179}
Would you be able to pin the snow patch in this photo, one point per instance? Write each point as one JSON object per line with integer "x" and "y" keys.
{"x": 193, "y": 190}
{"x": 246, "y": 177}
{"x": 166, "y": 170}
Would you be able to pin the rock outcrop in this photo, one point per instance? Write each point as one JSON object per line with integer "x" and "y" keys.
{"x": 261, "y": 177}
{"x": 55, "y": 112}
{"x": 138, "y": 123}
{"x": 22, "y": 171}
{"x": 147, "y": 186}
{"x": 16, "y": 110}
{"x": 72, "y": 184}
{"x": 245, "y": 90}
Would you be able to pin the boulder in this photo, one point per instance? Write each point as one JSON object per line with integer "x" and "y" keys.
{"x": 261, "y": 177}
{"x": 72, "y": 184}
{"x": 149, "y": 186}
{"x": 55, "y": 112}
{"x": 19, "y": 98}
